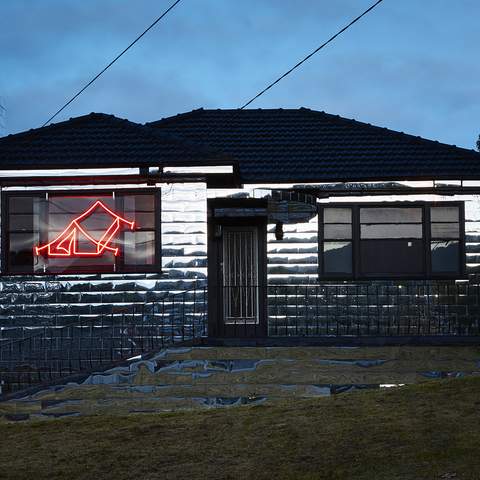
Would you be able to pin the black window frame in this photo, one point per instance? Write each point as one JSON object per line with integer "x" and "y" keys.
{"x": 426, "y": 274}
{"x": 156, "y": 267}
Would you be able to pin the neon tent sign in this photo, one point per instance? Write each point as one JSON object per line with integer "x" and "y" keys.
{"x": 66, "y": 244}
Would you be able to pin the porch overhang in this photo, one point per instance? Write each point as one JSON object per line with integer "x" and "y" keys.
{"x": 355, "y": 189}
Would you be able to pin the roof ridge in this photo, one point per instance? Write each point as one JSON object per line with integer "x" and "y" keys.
{"x": 194, "y": 112}
{"x": 416, "y": 139}
{"x": 198, "y": 111}
{"x": 62, "y": 123}
{"x": 144, "y": 129}
{"x": 407, "y": 136}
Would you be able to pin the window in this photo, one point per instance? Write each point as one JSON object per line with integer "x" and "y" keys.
{"x": 445, "y": 239}
{"x": 391, "y": 241}
{"x": 415, "y": 240}
{"x": 337, "y": 245}
{"x": 81, "y": 232}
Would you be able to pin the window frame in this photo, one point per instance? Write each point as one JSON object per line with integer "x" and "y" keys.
{"x": 156, "y": 267}
{"x": 426, "y": 273}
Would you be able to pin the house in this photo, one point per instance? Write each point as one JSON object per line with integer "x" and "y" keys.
{"x": 265, "y": 224}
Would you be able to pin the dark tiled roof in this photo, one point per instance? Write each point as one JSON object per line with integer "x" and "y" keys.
{"x": 270, "y": 146}
{"x": 304, "y": 145}
{"x": 98, "y": 140}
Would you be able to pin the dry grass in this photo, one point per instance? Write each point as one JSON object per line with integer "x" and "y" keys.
{"x": 428, "y": 431}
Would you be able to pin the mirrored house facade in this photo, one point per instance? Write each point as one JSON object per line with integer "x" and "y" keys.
{"x": 254, "y": 224}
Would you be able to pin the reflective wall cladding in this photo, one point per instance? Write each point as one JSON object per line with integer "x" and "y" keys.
{"x": 298, "y": 304}
{"x": 27, "y": 303}
{"x": 303, "y": 306}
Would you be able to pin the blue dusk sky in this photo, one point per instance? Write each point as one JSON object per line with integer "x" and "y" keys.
{"x": 410, "y": 65}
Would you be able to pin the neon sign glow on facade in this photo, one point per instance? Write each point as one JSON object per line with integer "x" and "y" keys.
{"x": 66, "y": 243}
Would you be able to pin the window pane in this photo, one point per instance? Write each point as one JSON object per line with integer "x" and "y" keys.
{"x": 76, "y": 246}
{"x": 20, "y": 256}
{"x": 391, "y": 231}
{"x": 57, "y": 222}
{"x": 77, "y": 204}
{"x": 445, "y": 230}
{"x": 391, "y": 257}
{"x": 19, "y": 222}
{"x": 85, "y": 232}
{"x": 85, "y": 244}
{"x": 143, "y": 221}
{"x": 445, "y": 256}
{"x": 332, "y": 231}
{"x": 390, "y": 215}
{"x": 22, "y": 204}
{"x": 444, "y": 214}
{"x": 337, "y": 257}
{"x": 139, "y": 248}
{"x": 139, "y": 203}
{"x": 337, "y": 215}
{"x": 23, "y": 213}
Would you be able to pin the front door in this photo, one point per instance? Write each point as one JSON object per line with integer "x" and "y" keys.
{"x": 238, "y": 286}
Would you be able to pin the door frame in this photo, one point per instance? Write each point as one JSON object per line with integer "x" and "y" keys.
{"x": 216, "y": 324}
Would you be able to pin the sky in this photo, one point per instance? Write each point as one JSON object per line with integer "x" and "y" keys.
{"x": 409, "y": 65}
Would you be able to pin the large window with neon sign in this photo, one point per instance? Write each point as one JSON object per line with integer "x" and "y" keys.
{"x": 81, "y": 232}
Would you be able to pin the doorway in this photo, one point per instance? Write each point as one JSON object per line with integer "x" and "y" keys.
{"x": 237, "y": 277}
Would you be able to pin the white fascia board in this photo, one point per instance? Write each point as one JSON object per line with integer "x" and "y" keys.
{"x": 64, "y": 172}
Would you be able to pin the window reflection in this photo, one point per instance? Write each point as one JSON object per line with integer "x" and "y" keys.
{"x": 445, "y": 256}
{"x": 337, "y": 257}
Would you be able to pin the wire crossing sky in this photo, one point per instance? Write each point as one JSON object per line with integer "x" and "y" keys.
{"x": 112, "y": 62}
{"x": 409, "y": 65}
{"x": 311, "y": 54}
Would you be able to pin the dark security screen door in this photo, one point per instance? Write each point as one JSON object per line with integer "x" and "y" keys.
{"x": 237, "y": 278}
{"x": 240, "y": 275}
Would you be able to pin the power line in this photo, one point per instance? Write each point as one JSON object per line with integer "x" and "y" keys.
{"x": 112, "y": 62}
{"x": 311, "y": 54}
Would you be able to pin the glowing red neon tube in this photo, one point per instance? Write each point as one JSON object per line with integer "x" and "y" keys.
{"x": 66, "y": 244}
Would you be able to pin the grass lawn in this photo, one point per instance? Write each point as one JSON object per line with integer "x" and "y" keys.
{"x": 427, "y": 431}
